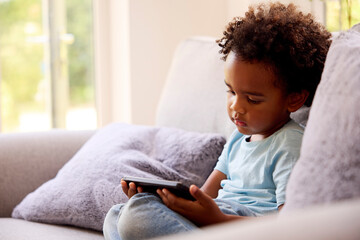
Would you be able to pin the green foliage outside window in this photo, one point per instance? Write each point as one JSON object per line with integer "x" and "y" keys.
{"x": 20, "y": 62}
{"x": 24, "y": 80}
{"x": 342, "y": 14}
{"x": 80, "y": 53}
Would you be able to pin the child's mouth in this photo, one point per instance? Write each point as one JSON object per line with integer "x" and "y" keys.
{"x": 239, "y": 123}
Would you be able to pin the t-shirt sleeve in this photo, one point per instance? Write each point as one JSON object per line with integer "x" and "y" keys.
{"x": 222, "y": 163}
{"x": 286, "y": 157}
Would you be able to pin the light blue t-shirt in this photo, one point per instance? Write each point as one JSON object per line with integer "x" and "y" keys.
{"x": 257, "y": 172}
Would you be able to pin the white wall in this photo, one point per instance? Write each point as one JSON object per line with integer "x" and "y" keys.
{"x": 315, "y": 7}
{"x": 144, "y": 36}
{"x": 156, "y": 27}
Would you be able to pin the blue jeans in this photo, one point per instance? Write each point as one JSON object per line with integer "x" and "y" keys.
{"x": 145, "y": 216}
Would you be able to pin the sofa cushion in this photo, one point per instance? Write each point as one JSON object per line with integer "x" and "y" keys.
{"x": 89, "y": 184}
{"x": 329, "y": 165}
{"x": 16, "y": 229}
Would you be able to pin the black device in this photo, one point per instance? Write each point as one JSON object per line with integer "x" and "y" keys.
{"x": 151, "y": 185}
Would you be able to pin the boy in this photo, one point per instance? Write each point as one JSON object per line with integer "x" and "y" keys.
{"x": 274, "y": 60}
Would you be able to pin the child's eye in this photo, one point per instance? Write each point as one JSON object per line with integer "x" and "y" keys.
{"x": 252, "y": 101}
{"x": 230, "y": 92}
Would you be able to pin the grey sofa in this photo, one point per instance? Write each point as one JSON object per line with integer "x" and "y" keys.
{"x": 27, "y": 160}
{"x": 193, "y": 99}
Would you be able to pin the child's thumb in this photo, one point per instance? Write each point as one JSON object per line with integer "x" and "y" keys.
{"x": 200, "y": 196}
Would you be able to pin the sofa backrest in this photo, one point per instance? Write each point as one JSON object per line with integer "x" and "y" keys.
{"x": 194, "y": 97}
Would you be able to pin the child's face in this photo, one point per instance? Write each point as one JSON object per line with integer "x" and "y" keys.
{"x": 255, "y": 105}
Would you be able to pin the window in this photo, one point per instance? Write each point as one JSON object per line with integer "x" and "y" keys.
{"x": 46, "y": 65}
{"x": 342, "y": 14}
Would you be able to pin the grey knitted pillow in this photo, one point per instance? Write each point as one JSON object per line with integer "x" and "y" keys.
{"x": 329, "y": 166}
{"x": 89, "y": 184}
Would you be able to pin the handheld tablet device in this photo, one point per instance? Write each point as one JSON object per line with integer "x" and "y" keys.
{"x": 151, "y": 185}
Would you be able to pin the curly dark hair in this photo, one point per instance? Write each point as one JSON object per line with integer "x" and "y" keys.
{"x": 290, "y": 43}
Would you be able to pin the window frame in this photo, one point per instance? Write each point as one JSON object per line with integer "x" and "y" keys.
{"x": 112, "y": 61}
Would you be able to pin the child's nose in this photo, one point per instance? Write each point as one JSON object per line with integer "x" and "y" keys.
{"x": 238, "y": 106}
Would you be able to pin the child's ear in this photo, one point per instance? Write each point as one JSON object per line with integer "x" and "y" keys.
{"x": 297, "y": 100}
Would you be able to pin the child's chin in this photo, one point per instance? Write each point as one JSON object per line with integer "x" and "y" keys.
{"x": 243, "y": 131}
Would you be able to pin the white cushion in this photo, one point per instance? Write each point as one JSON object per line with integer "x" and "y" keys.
{"x": 194, "y": 97}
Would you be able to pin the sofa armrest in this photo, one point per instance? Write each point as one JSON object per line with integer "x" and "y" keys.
{"x": 329, "y": 221}
{"x": 27, "y": 160}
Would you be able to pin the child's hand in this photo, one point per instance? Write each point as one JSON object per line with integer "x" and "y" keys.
{"x": 130, "y": 190}
{"x": 202, "y": 212}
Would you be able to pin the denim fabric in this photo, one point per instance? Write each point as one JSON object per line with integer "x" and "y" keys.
{"x": 145, "y": 216}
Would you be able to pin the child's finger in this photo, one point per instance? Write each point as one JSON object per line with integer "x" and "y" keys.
{"x": 132, "y": 189}
{"x": 162, "y": 196}
{"x": 175, "y": 203}
{"x": 200, "y": 196}
{"x": 124, "y": 187}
